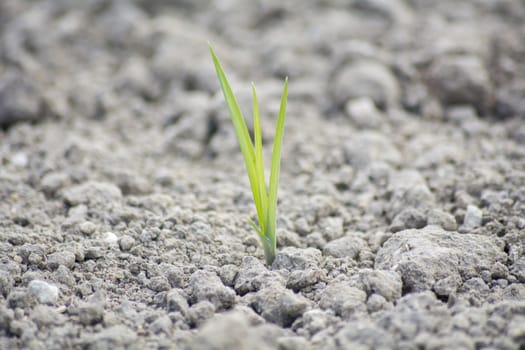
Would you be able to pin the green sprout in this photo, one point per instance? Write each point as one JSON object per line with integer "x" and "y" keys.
{"x": 265, "y": 199}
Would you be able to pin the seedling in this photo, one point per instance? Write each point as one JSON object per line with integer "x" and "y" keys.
{"x": 265, "y": 198}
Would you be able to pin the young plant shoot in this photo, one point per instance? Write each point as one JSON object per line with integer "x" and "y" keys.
{"x": 265, "y": 198}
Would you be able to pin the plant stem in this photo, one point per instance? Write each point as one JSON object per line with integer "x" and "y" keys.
{"x": 269, "y": 246}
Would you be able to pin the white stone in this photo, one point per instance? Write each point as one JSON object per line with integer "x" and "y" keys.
{"x": 110, "y": 238}
{"x": 44, "y": 292}
{"x": 473, "y": 217}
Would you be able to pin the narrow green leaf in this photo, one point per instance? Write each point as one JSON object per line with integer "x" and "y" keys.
{"x": 241, "y": 132}
{"x": 256, "y": 228}
{"x": 259, "y": 163}
{"x": 265, "y": 199}
{"x": 276, "y": 164}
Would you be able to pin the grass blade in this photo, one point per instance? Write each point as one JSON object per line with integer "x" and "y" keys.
{"x": 265, "y": 199}
{"x": 276, "y": 165}
{"x": 241, "y": 132}
{"x": 259, "y": 163}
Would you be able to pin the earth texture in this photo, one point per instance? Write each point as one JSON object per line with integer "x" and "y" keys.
{"x": 125, "y": 206}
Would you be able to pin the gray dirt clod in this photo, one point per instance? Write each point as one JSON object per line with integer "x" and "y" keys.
{"x": 176, "y": 302}
{"x": 347, "y": 301}
{"x": 65, "y": 258}
{"x": 363, "y": 335}
{"x": 349, "y": 246}
{"x": 423, "y": 257}
{"x": 92, "y": 193}
{"x": 447, "y": 286}
{"x": 200, "y": 312}
{"x": 367, "y": 79}
{"x": 518, "y": 269}
{"x": 421, "y": 312}
{"x": 331, "y": 227}
{"x": 370, "y": 146}
{"x": 6, "y": 316}
{"x": 418, "y": 197}
{"x": 363, "y": 113}
{"x": 279, "y": 305}
{"x": 6, "y": 283}
{"x": 292, "y": 259}
{"x": 388, "y": 284}
{"x": 408, "y": 218}
{"x": 300, "y": 279}
{"x": 162, "y": 324}
{"x": 314, "y": 321}
{"x": 159, "y": 284}
{"x": 20, "y": 99}
{"x": 441, "y": 218}
{"x": 376, "y": 303}
{"x": 460, "y": 79}
{"x": 90, "y": 314}
{"x": 47, "y": 316}
{"x": 207, "y": 286}
{"x": 253, "y": 275}
{"x": 115, "y": 337}
{"x": 232, "y": 331}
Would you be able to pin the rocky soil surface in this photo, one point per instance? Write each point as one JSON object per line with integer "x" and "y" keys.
{"x": 124, "y": 204}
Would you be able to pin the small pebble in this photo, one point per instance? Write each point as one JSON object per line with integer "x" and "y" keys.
{"x": 16, "y": 328}
{"x": 503, "y": 283}
{"x": 90, "y": 314}
{"x": 176, "y": 302}
{"x": 44, "y": 292}
{"x": 486, "y": 276}
{"x": 87, "y": 228}
{"x": 302, "y": 227}
{"x": 499, "y": 270}
{"x": 363, "y": 112}
{"x": 159, "y": 284}
{"x": 473, "y": 217}
{"x": 443, "y": 219}
{"x": 20, "y": 160}
{"x": 19, "y": 300}
{"x": 94, "y": 253}
{"x": 110, "y": 238}
{"x": 61, "y": 258}
{"x": 126, "y": 243}
{"x": 375, "y": 303}
{"x": 162, "y": 324}
{"x": 34, "y": 259}
{"x": 200, "y": 312}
